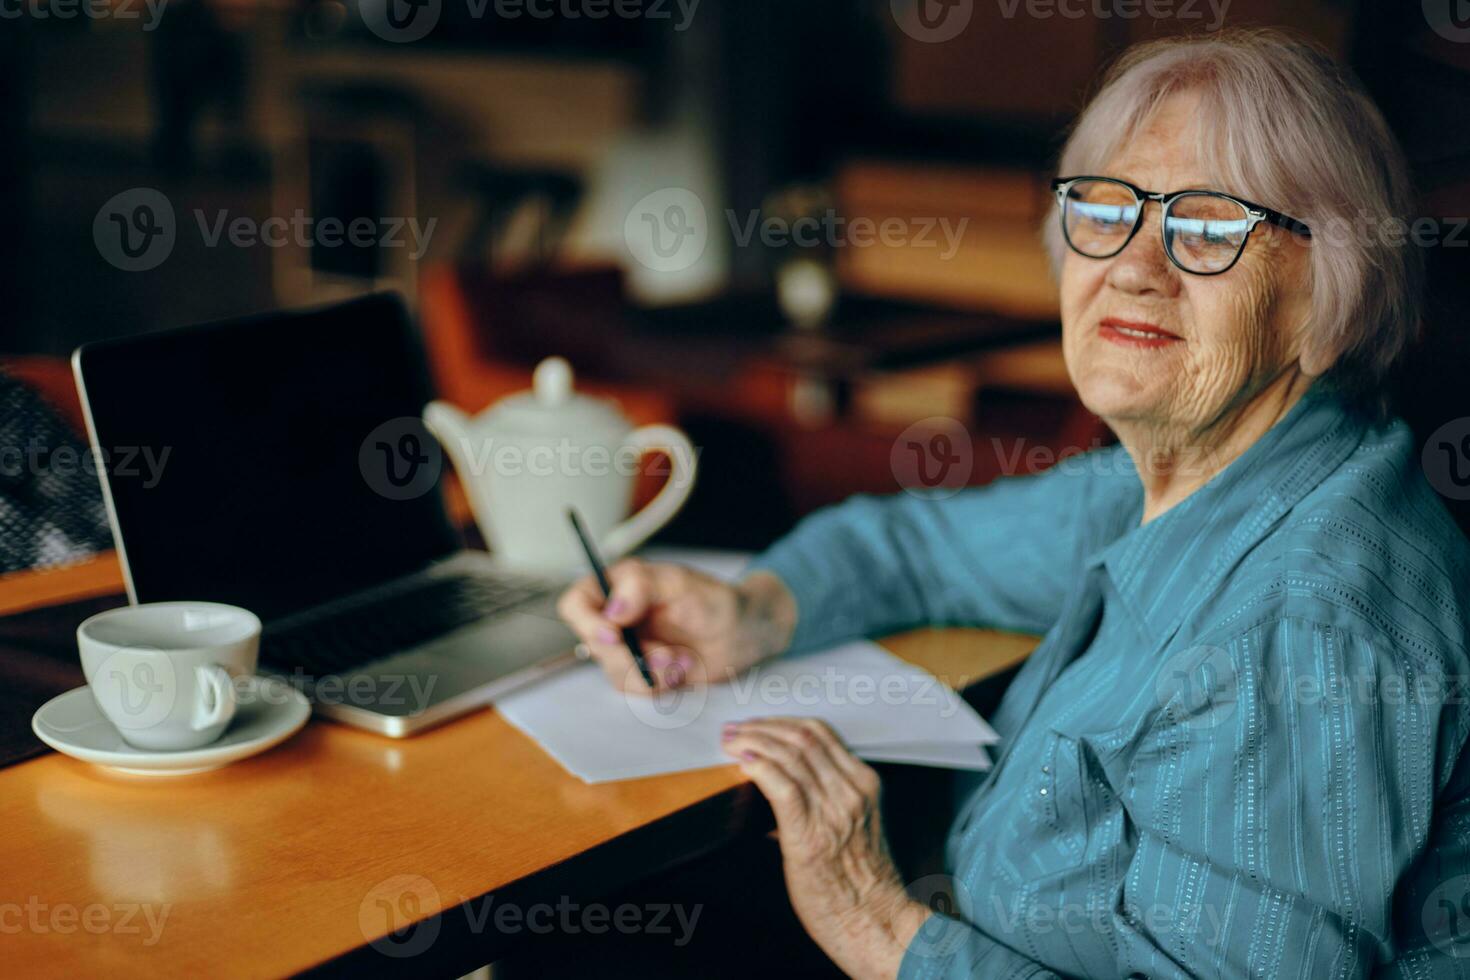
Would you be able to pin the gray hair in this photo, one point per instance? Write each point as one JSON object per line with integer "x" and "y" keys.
{"x": 1284, "y": 125}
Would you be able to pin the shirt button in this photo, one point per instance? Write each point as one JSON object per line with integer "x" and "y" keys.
{"x": 1045, "y": 770}
{"x": 1043, "y": 791}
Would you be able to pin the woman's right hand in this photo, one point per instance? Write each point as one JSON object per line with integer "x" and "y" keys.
{"x": 695, "y": 629}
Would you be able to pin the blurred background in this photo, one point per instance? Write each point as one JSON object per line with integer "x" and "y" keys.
{"x": 804, "y": 230}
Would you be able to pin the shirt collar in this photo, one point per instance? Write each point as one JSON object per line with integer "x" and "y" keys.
{"x": 1163, "y": 569}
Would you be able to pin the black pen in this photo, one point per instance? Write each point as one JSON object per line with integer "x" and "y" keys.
{"x": 630, "y": 639}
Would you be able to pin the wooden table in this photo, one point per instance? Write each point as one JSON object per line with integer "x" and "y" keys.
{"x": 306, "y": 858}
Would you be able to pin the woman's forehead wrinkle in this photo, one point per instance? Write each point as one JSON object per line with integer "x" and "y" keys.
{"x": 1164, "y": 148}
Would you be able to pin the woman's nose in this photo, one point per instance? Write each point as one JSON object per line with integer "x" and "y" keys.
{"x": 1143, "y": 267}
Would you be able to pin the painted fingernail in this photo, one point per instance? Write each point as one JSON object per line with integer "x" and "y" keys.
{"x": 617, "y": 607}
{"x": 727, "y": 735}
{"x": 658, "y": 658}
{"x": 684, "y": 660}
{"x": 674, "y": 676}
{"x": 607, "y": 635}
{"x": 747, "y": 755}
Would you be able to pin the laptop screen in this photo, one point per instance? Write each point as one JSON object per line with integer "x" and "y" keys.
{"x": 273, "y": 463}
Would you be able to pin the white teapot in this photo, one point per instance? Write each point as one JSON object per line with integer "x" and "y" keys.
{"x": 528, "y": 458}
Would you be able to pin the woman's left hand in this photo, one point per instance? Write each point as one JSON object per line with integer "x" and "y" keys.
{"x": 841, "y": 879}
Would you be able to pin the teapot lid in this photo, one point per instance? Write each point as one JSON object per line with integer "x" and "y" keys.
{"x": 553, "y": 406}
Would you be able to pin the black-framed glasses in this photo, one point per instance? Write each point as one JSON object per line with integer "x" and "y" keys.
{"x": 1204, "y": 231}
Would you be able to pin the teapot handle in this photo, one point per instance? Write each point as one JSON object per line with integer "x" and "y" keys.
{"x": 628, "y": 535}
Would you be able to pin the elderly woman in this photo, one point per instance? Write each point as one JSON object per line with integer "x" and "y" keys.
{"x": 1239, "y": 748}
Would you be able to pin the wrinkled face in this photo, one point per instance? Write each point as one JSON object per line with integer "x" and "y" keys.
{"x": 1146, "y": 342}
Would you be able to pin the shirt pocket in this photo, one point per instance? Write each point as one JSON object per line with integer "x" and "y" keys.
{"x": 1056, "y": 800}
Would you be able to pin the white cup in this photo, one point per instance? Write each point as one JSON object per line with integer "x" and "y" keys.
{"x": 164, "y": 673}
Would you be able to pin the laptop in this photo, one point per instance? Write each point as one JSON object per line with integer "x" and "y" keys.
{"x": 276, "y": 463}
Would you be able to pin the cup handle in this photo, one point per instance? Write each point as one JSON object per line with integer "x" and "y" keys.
{"x": 216, "y": 697}
{"x": 637, "y": 529}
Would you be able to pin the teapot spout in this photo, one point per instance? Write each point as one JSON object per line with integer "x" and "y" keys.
{"x": 451, "y": 427}
{"x": 456, "y": 433}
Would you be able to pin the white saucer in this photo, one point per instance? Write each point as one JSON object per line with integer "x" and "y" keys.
{"x": 270, "y": 712}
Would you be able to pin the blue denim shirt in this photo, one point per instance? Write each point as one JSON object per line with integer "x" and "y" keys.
{"x": 1238, "y": 750}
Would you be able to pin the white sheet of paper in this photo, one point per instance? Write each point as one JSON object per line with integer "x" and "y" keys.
{"x": 869, "y": 697}
{"x": 721, "y": 564}
{"x": 942, "y": 755}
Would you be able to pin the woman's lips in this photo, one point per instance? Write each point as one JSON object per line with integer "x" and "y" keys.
{"x": 1129, "y": 333}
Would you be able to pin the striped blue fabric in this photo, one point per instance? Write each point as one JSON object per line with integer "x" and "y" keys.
{"x": 1239, "y": 749}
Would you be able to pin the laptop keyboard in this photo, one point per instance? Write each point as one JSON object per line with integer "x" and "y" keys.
{"x": 392, "y": 624}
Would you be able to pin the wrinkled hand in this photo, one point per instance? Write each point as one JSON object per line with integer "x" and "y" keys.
{"x": 839, "y": 874}
{"x": 694, "y": 629}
